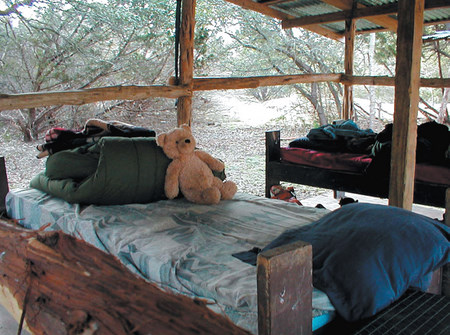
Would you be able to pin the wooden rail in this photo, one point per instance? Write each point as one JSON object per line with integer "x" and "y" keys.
{"x": 80, "y": 97}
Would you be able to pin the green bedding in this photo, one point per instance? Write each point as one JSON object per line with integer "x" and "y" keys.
{"x": 113, "y": 171}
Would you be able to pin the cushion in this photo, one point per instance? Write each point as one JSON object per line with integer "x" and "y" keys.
{"x": 365, "y": 256}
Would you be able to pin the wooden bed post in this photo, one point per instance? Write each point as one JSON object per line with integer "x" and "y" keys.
{"x": 350, "y": 28}
{"x": 3, "y": 185}
{"x": 184, "y": 107}
{"x": 407, "y": 82}
{"x": 446, "y": 268}
{"x": 285, "y": 290}
{"x": 272, "y": 154}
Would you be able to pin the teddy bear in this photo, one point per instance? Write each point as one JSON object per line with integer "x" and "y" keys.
{"x": 190, "y": 170}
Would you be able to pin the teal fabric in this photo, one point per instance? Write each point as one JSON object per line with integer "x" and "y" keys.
{"x": 127, "y": 170}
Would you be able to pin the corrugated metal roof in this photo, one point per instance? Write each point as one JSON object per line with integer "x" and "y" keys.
{"x": 312, "y": 9}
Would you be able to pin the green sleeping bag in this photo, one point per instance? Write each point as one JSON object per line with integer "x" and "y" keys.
{"x": 113, "y": 171}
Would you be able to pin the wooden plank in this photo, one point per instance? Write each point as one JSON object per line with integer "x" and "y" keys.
{"x": 67, "y": 286}
{"x": 436, "y": 282}
{"x": 390, "y": 81}
{"x": 285, "y": 290}
{"x": 184, "y": 105}
{"x": 204, "y": 84}
{"x": 350, "y": 28}
{"x": 81, "y": 97}
{"x": 4, "y": 189}
{"x": 407, "y": 78}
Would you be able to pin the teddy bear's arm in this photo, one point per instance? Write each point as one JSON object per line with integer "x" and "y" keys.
{"x": 171, "y": 185}
{"x": 213, "y": 163}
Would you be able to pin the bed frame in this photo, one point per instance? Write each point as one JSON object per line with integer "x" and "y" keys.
{"x": 360, "y": 183}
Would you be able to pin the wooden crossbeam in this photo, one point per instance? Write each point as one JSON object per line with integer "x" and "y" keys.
{"x": 384, "y": 21}
{"x": 81, "y": 97}
{"x": 358, "y": 13}
{"x": 266, "y": 10}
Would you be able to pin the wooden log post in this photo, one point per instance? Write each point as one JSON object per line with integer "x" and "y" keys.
{"x": 407, "y": 81}
{"x": 285, "y": 290}
{"x": 3, "y": 185}
{"x": 273, "y": 154}
{"x": 350, "y": 28}
{"x": 446, "y": 268}
{"x": 62, "y": 285}
{"x": 184, "y": 106}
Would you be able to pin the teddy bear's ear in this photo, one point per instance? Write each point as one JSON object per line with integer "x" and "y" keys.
{"x": 186, "y": 127}
{"x": 161, "y": 139}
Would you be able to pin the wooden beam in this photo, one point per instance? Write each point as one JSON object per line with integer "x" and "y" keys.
{"x": 64, "y": 285}
{"x": 31, "y": 100}
{"x": 446, "y": 268}
{"x": 407, "y": 81}
{"x": 390, "y": 81}
{"x": 285, "y": 290}
{"x": 4, "y": 189}
{"x": 385, "y": 21}
{"x": 206, "y": 84}
{"x": 359, "y": 13}
{"x": 266, "y": 10}
{"x": 260, "y": 8}
{"x": 184, "y": 106}
{"x": 81, "y": 97}
{"x": 350, "y": 28}
{"x": 273, "y": 154}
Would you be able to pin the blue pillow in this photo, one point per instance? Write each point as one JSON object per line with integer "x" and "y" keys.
{"x": 366, "y": 256}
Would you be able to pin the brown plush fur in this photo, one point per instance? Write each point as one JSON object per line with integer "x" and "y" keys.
{"x": 191, "y": 170}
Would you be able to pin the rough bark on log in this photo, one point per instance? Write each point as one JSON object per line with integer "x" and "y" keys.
{"x": 67, "y": 286}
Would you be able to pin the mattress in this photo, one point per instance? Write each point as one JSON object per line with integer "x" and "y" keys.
{"x": 357, "y": 163}
{"x": 182, "y": 247}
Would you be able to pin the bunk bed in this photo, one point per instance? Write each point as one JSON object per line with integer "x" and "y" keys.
{"x": 346, "y": 172}
{"x": 36, "y": 263}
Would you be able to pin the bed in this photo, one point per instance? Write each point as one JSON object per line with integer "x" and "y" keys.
{"x": 187, "y": 248}
{"x": 229, "y": 256}
{"x": 346, "y": 172}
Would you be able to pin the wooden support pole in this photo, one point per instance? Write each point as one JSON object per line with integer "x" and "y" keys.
{"x": 3, "y": 185}
{"x": 446, "y": 268}
{"x": 184, "y": 106}
{"x": 407, "y": 82}
{"x": 273, "y": 154}
{"x": 350, "y": 28}
{"x": 285, "y": 290}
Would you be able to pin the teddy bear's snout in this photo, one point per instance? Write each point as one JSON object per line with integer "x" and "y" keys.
{"x": 187, "y": 141}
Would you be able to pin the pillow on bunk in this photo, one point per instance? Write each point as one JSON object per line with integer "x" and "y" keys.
{"x": 366, "y": 256}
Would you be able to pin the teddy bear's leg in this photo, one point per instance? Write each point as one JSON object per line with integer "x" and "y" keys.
{"x": 208, "y": 196}
{"x": 227, "y": 189}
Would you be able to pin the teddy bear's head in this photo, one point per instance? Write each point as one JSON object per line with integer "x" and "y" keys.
{"x": 177, "y": 142}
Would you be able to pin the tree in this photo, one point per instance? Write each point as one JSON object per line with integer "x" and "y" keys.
{"x": 71, "y": 44}
{"x": 259, "y": 46}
